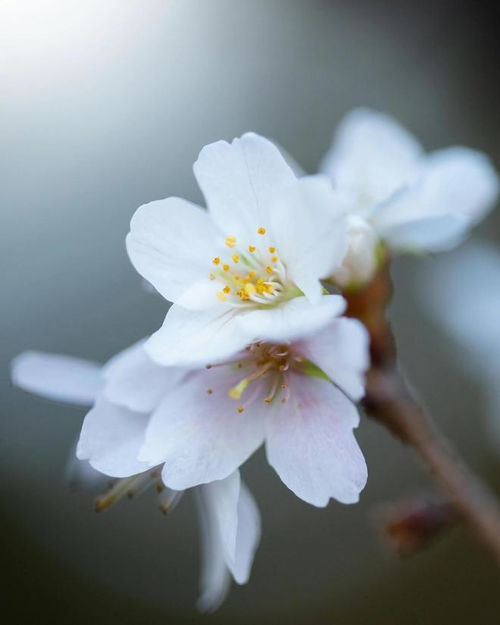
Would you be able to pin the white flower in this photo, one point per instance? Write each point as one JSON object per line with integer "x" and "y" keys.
{"x": 204, "y": 423}
{"x": 229, "y": 517}
{"x": 247, "y": 269}
{"x": 410, "y": 201}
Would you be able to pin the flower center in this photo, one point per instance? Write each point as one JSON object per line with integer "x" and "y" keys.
{"x": 262, "y": 362}
{"x": 252, "y": 275}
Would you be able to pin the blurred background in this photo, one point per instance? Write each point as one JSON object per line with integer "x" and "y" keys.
{"x": 105, "y": 105}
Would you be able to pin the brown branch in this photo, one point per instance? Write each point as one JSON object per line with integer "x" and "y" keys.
{"x": 391, "y": 404}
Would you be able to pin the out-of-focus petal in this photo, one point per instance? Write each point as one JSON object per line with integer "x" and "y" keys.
{"x": 198, "y": 431}
{"x": 239, "y": 181}
{"x": 372, "y": 155}
{"x": 214, "y": 578}
{"x": 311, "y": 445}
{"x": 171, "y": 244}
{"x": 341, "y": 351}
{"x": 309, "y": 228}
{"x": 110, "y": 439}
{"x": 133, "y": 380}
{"x": 57, "y": 377}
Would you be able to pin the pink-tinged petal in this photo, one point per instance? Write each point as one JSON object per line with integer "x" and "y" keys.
{"x": 341, "y": 350}
{"x": 309, "y": 229}
{"x": 57, "y": 377}
{"x": 292, "y": 319}
{"x": 198, "y": 431}
{"x": 239, "y": 181}
{"x": 372, "y": 155}
{"x": 110, "y": 439}
{"x": 171, "y": 244}
{"x": 133, "y": 380}
{"x": 310, "y": 443}
{"x": 190, "y": 338}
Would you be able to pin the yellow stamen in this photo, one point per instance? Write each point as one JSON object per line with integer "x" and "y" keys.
{"x": 236, "y": 258}
{"x": 227, "y": 289}
{"x": 251, "y": 248}
{"x": 250, "y": 289}
{"x": 251, "y": 275}
{"x": 272, "y": 250}
{"x": 240, "y": 409}
{"x": 269, "y": 269}
{"x": 225, "y": 267}
{"x": 230, "y": 241}
{"x": 221, "y": 296}
{"x": 261, "y": 230}
{"x": 216, "y": 260}
{"x": 237, "y": 391}
{"x": 274, "y": 259}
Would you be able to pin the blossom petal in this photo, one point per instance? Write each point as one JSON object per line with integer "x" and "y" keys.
{"x": 311, "y": 445}
{"x": 190, "y": 338}
{"x": 292, "y": 319}
{"x": 372, "y": 154}
{"x": 457, "y": 188}
{"x": 239, "y": 181}
{"x": 133, "y": 380}
{"x": 309, "y": 229}
{"x": 110, "y": 439}
{"x": 464, "y": 182}
{"x": 171, "y": 243}
{"x": 200, "y": 435}
{"x": 341, "y": 351}
{"x": 238, "y": 521}
{"x": 214, "y": 578}
{"x": 57, "y": 377}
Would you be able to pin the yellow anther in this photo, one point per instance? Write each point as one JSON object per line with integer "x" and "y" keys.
{"x": 227, "y": 289}
{"x": 221, "y": 296}
{"x": 269, "y": 269}
{"x": 261, "y": 230}
{"x": 225, "y": 267}
{"x": 242, "y": 294}
{"x": 212, "y": 276}
{"x": 230, "y": 241}
{"x": 236, "y": 258}
{"x": 250, "y": 289}
{"x": 251, "y": 248}
{"x": 236, "y": 277}
{"x": 216, "y": 260}
{"x": 251, "y": 275}
{"x": 272, "y": 250}
{"x": 274, "y": 259}
{"x": 240, "y": 409}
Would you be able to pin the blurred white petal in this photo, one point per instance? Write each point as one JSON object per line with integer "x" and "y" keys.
{"x": 57, "y": 377}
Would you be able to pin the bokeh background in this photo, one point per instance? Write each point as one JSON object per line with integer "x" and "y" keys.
{"x": 105, "y": 105}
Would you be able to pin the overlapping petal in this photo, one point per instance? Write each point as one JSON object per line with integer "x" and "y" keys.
{"x": 171, "y": 243}
{"x": 372, "y": 155}
{"x": 311, "y": 445}
{"x": 240, "y": 181}
{"x": 198, "y": 431}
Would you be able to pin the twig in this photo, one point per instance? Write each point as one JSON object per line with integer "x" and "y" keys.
{"x": 391, "y": 404}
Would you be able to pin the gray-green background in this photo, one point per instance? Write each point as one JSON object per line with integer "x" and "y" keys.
{"x": 105, "y": 105}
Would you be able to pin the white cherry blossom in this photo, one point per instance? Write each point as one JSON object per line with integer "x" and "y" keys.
{"x": 229, "y": 517}
{"x": 249, "y": 267}
{"x": 406, "y": 199}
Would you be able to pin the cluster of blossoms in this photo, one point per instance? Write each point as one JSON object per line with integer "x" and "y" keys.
{"x": 255, "y": 348}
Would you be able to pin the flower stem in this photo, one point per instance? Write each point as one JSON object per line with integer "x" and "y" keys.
{"x": 389, "y": 401}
